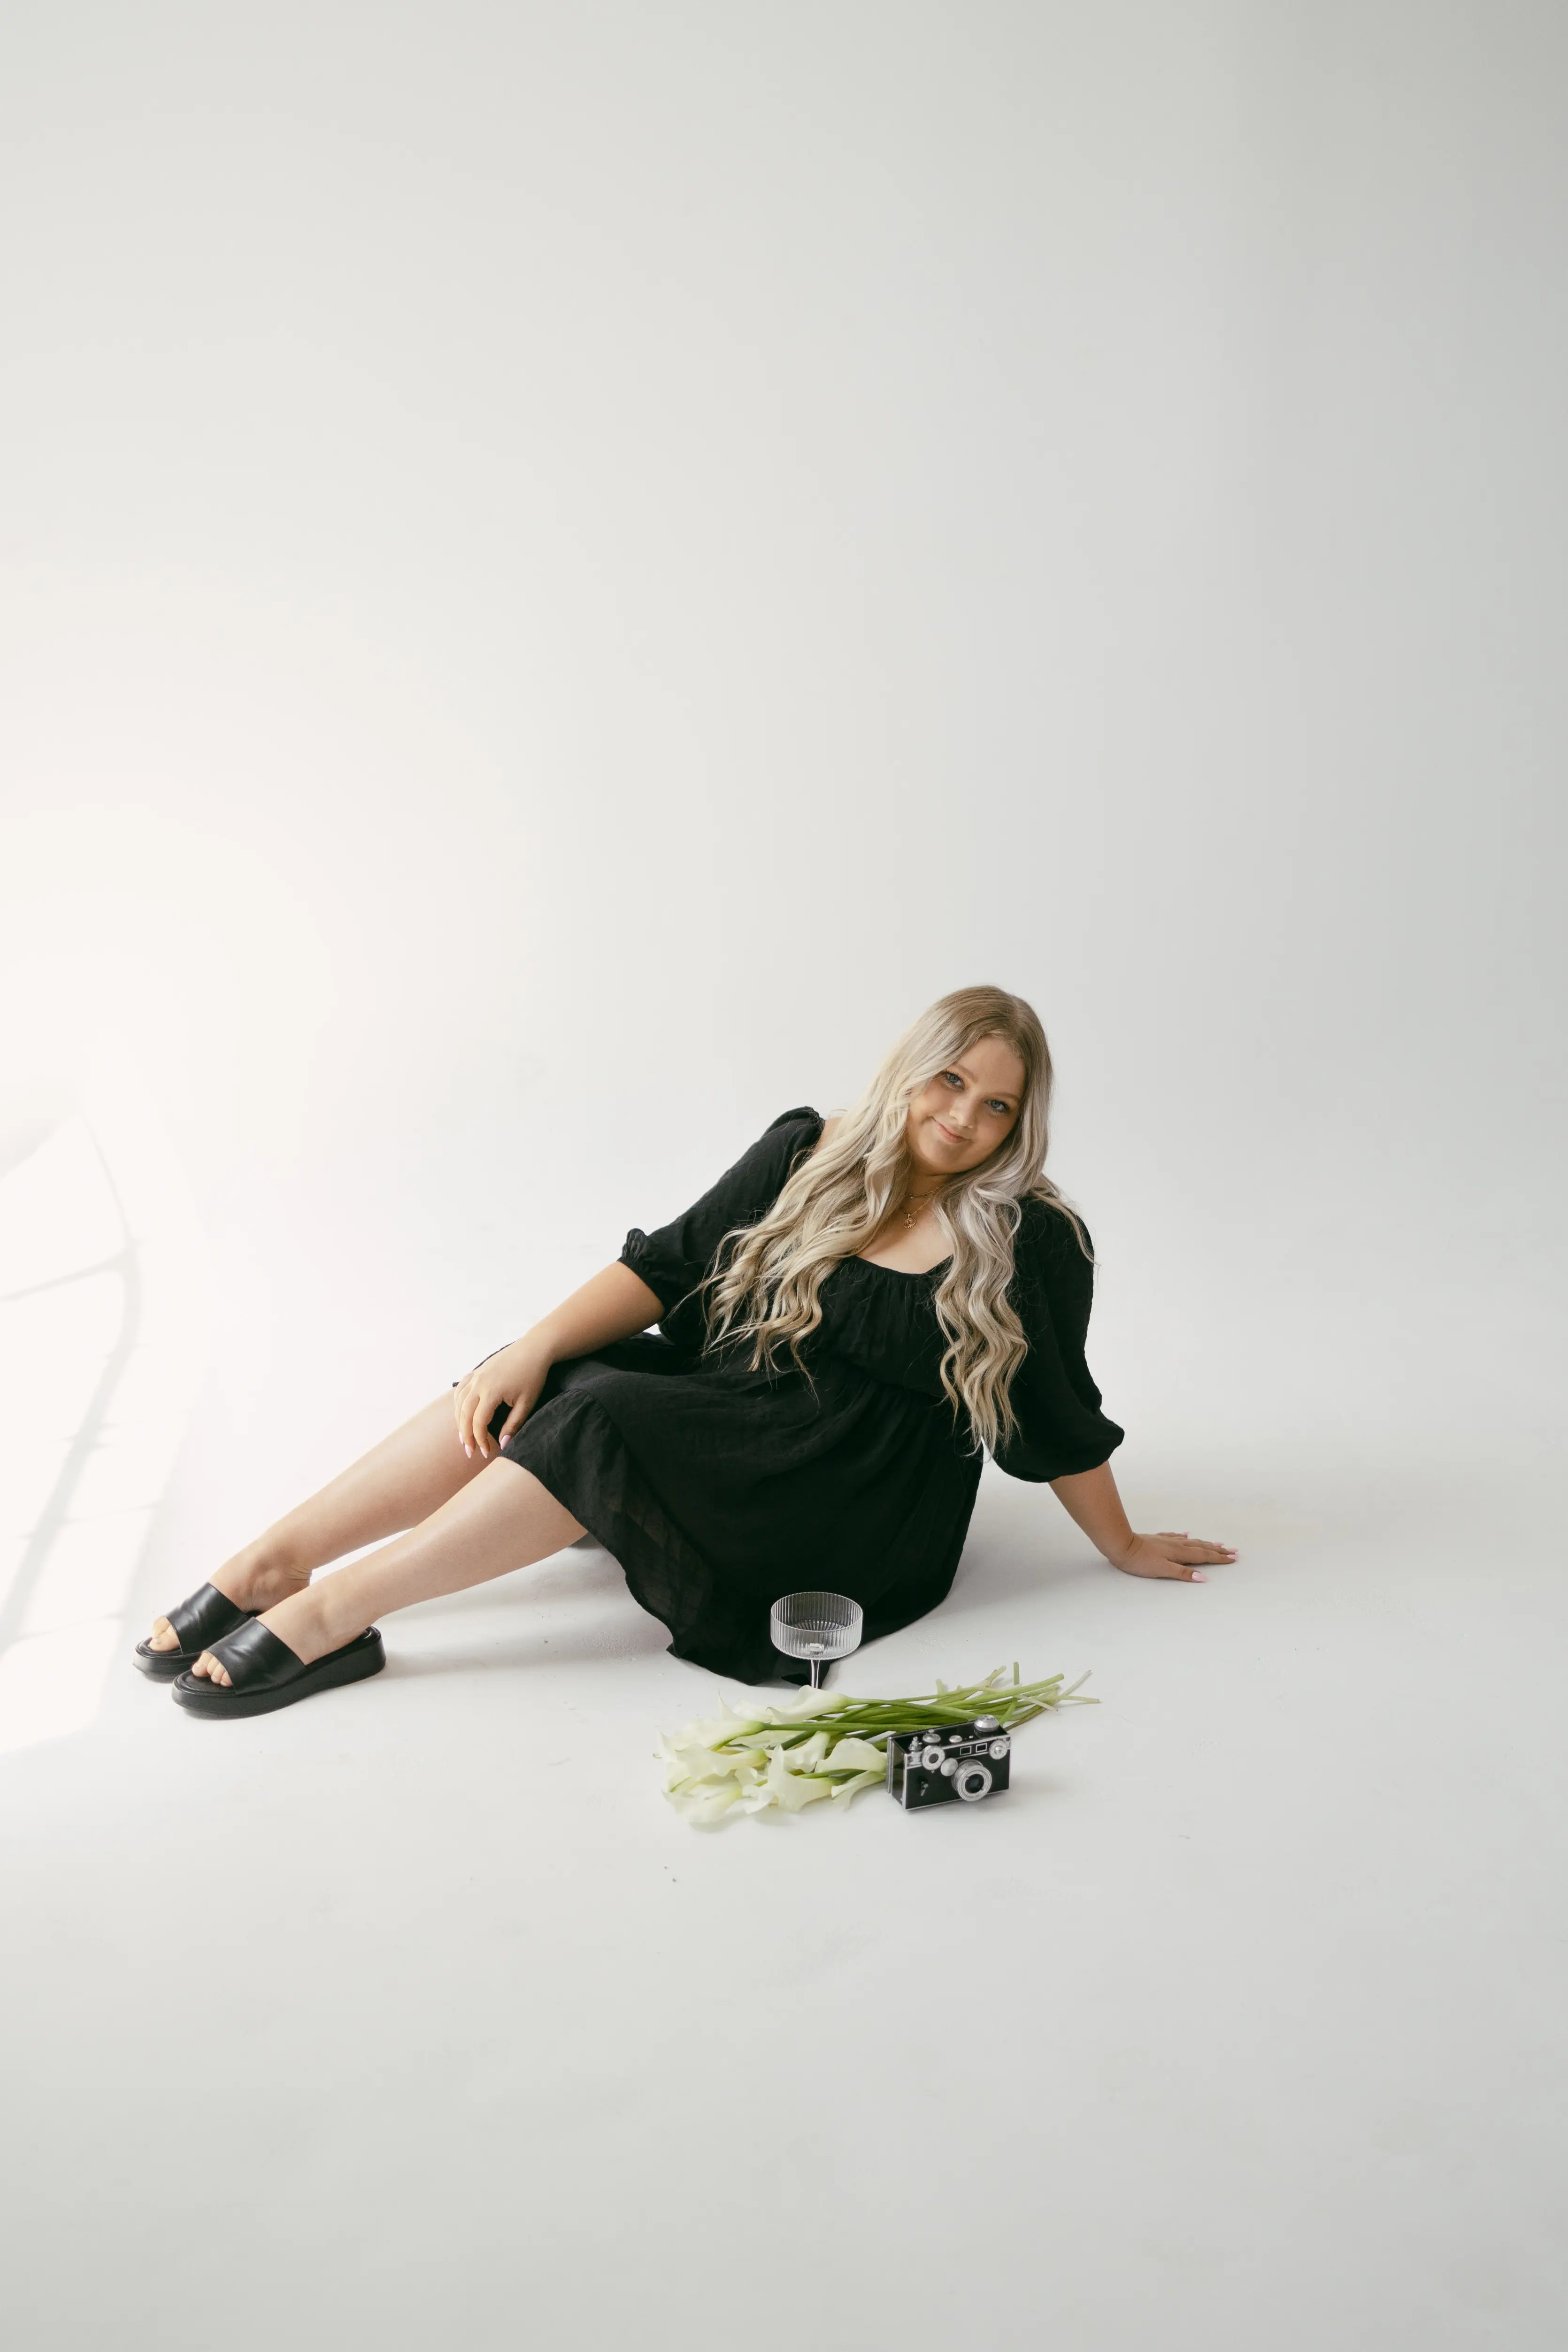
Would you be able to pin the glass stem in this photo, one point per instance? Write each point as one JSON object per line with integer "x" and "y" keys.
{"x": 816, "y": 1673}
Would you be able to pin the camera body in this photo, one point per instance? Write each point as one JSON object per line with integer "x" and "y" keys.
{"x": 957, "y": 1763}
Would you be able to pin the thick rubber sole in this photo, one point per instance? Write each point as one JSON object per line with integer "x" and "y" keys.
{"x": 351, "y": 1664}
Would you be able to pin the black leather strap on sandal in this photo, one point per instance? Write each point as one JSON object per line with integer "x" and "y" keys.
{"x": 255, "y": 1659}
{"x": 196, "y": 1625}
{"x": 205, "y": 1617}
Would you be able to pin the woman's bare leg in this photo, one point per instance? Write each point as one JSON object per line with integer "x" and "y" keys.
{"x": 500, "y": 1519}
{"x": 398, "y": 1483}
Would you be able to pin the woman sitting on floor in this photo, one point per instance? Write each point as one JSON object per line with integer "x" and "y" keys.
{"x": 856, "y": 1308}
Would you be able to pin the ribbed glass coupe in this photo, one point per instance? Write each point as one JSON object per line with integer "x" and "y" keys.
{"x": 817, "y": 1625}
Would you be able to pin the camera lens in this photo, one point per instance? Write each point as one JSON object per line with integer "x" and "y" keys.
{"x": 971, "y": 1780}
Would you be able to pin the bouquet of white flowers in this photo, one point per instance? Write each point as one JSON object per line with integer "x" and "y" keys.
{"x": 791, "y": 1751}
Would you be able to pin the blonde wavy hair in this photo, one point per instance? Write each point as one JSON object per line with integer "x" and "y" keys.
{"x": 767, "y": 1281}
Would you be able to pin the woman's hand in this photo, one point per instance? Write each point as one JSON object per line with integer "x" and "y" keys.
{"x": 1171, "y": 1553}
{"x": 610, "y": 1305}
{"x": 1089, "y": 1497}
{"x": 512, "y": 1376}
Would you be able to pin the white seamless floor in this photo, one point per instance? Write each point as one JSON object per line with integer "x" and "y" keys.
{"x": 413, "y": 2016}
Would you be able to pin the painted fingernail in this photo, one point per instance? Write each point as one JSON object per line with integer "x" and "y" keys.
{"x": 470, "y": 1451}
{"x": 1198, "y": 1577}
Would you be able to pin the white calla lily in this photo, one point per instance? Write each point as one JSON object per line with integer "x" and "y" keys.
{"x": 801, "y": 1705}
{"x": 731, "y": 1724}
{"x": 792, "y": 1791}
{"x": 852, "y": 1755}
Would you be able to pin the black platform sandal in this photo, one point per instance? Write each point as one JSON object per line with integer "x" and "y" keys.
{"x": 197, "y": 1625}
{"x": 265, "y": 1673}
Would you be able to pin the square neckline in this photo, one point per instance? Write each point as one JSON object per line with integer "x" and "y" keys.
{"x": 906, "y": 1274}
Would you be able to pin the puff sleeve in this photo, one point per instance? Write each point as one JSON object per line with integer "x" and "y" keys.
{"x": 673, "y": 1261}
{"x": 1060, "y": 1427}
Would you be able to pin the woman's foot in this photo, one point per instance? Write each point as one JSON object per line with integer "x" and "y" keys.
{"x": 261, "y": 1673}
{"x": 254, "y": 1579}
{"x": 304, "y": 1620}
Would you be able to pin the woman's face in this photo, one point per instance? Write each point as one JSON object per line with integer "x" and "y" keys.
{"x": 966, "y": 1111}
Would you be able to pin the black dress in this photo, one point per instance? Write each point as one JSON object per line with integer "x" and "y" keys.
{"x": 718, "y": 1487}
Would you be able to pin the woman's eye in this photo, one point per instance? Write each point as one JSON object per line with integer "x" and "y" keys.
{"x": 1000, "y": 1108}
{"x": 952, "y": 1079}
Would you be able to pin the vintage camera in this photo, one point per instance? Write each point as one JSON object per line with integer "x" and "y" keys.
{"x": 953, "y": 1763}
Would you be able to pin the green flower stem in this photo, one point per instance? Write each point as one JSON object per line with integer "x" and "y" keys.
{"x": 879, "y": 1720}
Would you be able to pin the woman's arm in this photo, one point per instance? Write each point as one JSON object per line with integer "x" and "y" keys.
{"x": 1089, "y": 1497}
{"x": 619, "y": 1301}
{"x": 611, "y": 1305}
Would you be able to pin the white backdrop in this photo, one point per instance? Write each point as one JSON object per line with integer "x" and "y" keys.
{"x": 565, "y": 569}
